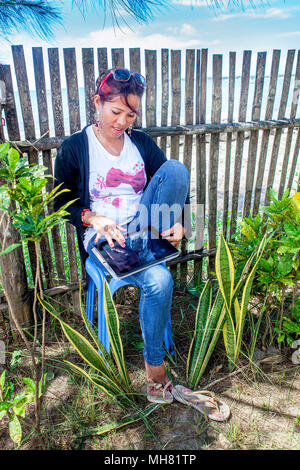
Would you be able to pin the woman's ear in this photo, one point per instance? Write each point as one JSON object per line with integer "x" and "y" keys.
{"x": 97, "y": 101}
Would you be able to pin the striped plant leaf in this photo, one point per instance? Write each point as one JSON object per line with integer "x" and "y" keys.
{"x": 113, "y": 425}
{"x": 113, "y": 329}
{"x": 204, "y": 339}
{"x": 216, "y": 333}
{"x": 107, "y": 357}
{"x": 195, "y": 352}
{"x": 225, "y": 274}
{"x": 85, "y": 349}
{"x": 246, "y": 298}
{"x": 123, "y": 399}
{"x": 225, "y": 271}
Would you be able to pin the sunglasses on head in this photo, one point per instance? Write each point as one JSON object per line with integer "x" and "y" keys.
{"x": 122, "y": 75}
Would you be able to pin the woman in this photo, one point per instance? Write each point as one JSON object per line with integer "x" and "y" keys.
{"x": 115, "y": 171}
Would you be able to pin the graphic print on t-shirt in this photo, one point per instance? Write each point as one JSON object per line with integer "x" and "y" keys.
{"x": 135, "y": 178}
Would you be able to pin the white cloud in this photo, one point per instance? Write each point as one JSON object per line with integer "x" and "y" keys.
{"x": 289, "y": 34}
{"x": 185, "y": 28}
{"x": 194, "y": 3}
{"x": 275, "y": 13}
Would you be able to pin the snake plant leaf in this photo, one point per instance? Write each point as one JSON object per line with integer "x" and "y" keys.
{"x": 99, "y": 383}
{"x": 246, "y": 298}
{"x": 106, "y": 356}
{"x": 225, "y": 271}
{"x": 207, "y": 340}
{"x": 80, "y": 343}
{"x": 194, "y": 356}
{"x": 113, "y": 329}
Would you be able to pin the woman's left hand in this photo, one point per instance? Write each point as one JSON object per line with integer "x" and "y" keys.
{"x": 175, "y": 234}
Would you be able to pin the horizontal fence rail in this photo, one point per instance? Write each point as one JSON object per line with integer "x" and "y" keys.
{"x": 235, "y": 127}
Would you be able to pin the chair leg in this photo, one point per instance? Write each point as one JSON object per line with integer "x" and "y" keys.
{"x": 169, "y": 345}
{"x": 90, "y": 300}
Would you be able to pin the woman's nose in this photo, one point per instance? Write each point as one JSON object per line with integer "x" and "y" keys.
{"x": 121, "y": 120}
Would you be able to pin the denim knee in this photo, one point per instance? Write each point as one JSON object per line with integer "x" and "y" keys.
{"x": 177, "y": 171}
{"x": 159, "y": 283}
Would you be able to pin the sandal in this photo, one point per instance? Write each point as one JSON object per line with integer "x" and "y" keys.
{"x": 158, "y": 393}
{"x": 203, "y": 401}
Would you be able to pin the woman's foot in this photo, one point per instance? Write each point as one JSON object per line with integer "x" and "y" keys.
{"x": 158, "y": 384}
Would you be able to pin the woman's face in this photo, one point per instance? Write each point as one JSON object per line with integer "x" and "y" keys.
{"x": 115, "y": 116}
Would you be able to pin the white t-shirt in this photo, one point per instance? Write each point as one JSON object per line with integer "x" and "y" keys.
{"x": 116, "y": 184}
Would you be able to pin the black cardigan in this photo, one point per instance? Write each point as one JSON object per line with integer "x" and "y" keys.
{"x": 72, "y": 168}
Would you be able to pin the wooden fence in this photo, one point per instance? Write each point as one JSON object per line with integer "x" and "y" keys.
{"x": 235, "y": 148}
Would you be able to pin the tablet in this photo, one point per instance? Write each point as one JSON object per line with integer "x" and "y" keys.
{"x": 140, "y": 252}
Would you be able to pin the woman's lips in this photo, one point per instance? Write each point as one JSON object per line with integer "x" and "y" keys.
{"x": 118, "y": 130}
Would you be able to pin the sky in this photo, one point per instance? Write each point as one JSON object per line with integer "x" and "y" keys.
{"x": 183, "y": 24}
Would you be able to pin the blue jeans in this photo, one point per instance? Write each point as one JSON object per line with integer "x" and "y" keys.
{"x": 168, "y": 186}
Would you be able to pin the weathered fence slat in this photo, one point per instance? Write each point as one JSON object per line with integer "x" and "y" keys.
{"x": 117, "y": 57}
{"x": 289, "y": 135}
{"x": 266, "y": 132}
{"x": 56, "y": 96}
{"x": 176, "y": 99}
{"x": 281, "y": 113}
{"x": 102, "y": 60}
{"x": 175, "y": 113}
{"x": 294, "y": 162}
{"x": 164, "y": 95}
{"x": 40, "y": 85}
{"x": 74, "y": 118}
{"x": 199, "y": 210}
{"x": 135, "y": 66}
{"x": 151, "y": 90}
{"x": 256, "y": 109}
{"x": 214, "y": 158}
{"x": 89, "y": 82}
{"x": 58, "y": 119}
{"x": 231, "y": 88}
{"x": 188, "y": 140}
{"x": 200, "y": 176}
{"x": 11, "y": 118}
{"x": 240, "y": 140}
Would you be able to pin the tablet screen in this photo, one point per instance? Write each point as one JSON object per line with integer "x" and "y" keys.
{"x": 140, "y": 252}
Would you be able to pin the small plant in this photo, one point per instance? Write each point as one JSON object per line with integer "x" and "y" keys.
{"x": 26, "y": 204}
{"x": 278, "y": 270}
{"x": 290, "y": 328}
{"x": 13, "y": 406}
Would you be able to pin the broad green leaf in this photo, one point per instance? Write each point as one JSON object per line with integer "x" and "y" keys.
{"x": 13, "y": 157}
{"x": 10, "y": 248}
{"x": 4, "y": 148}
{"x": 15, "y": 430}
{"x": 285, "y": 264}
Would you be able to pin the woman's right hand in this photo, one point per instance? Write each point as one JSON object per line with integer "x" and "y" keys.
{"x": 104, "y": 226}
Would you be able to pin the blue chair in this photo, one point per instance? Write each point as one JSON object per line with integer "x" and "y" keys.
{"x": 96, "y": 278}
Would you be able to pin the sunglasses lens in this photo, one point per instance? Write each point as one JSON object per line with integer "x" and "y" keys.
{"x": 140, "y": 79}
{"x": 122, "y": 75}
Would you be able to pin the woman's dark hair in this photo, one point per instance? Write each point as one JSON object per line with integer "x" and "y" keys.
{"x": 113, "y": 88}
